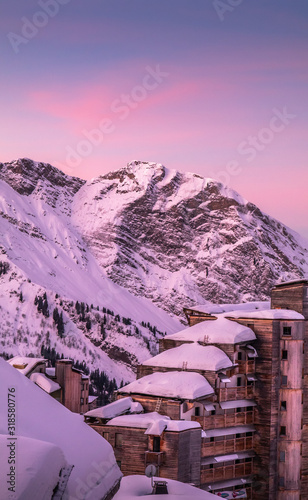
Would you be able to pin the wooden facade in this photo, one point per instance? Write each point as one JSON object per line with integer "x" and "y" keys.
{"x": 178, "y": 456}
{"x": 75, "y": 386}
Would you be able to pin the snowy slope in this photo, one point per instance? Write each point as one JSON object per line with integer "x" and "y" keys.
{"x": 49, "y": 437}
{"x": 46, "y": 253}
{"x": 125, "y": 241}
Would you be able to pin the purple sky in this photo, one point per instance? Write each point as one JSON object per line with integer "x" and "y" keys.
{"x": 213, "y": 87}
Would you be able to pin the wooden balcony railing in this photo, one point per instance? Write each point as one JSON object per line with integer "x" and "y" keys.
{"x": 230, "y": 393}
{"x": 247, "y": 366}
{"x": 226, "y": 472}
{"x": 226, "y": 420}
{"x": 226, "y": 446}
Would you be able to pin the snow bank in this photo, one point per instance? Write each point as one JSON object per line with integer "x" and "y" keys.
{"x": 38, "y": 465}
{"x": 192, "y": 357}
{"x": 40, "y": 417}
{"x": 181, "y": 385}
{"x": 220, "y": 331}
{"x": 25, "y": 364}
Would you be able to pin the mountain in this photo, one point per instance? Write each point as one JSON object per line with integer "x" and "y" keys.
{"x": 180, "y": 239}
{"x": 116, "y": 258}
{"x": 42, "y": 252}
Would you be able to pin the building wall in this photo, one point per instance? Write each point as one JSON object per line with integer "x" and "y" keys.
{"x": 73, "y": 387}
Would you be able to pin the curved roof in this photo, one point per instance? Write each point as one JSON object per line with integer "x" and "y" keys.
{"x": 197, "y": 357}
{"x": 181, "y": 385}
{"x": 218, "y": 331}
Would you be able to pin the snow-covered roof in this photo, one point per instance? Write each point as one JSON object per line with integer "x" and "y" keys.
{"x": 293, "y": 282}
{"x": 51, "y": 371}
{"x": 181, "y": 385}
{"x": 38, "y": 469}
{"x": 116, "y": 408}
{"x": 193, "y": 357}
{"x": 286, "y": 314}
{"x": 41, "y": 417}
{"x": 44, "y": 382}
{"x": 210, "y": 308}
{"x": 92, "y": 398}
{"x": 154, "y": 423}
{"x": 25, "y": 364}
{"x": 218, "y": 331}
{"x": 226, "y": 431}
{"x": 139, "y": 487}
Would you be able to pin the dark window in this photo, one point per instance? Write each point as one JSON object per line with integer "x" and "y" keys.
{"x": 212, "y": 440}
{"x": 81, "y": 401}
{"x": 238, "y": 410}
{"x": 237, "y": 461}
{"x": 239, "y": 356}
{"x": 197, "y": 411}
{"x": 249, "y": 408}
{"x": 282, "y": 456}
{"x": 284, "y": 380}
{"x": 287, "y": 330}
{"x": 248, "y": 460}
{"x": 283, "y": 405}
{"x": 281, "y": 482}
{"x": 250, "y": 382}
{"x": 156, "y": 444}
{"x": 239, "y": 381}
{"x": 248, "y": 434}
{"x": 284, "y": 354}
{"x": 118, "y": 440}
{"x": 238, "y": 436}
{"x": 211, "y": 466}
{"x": 283, "y": 430}
{"x": 213, "y": 412}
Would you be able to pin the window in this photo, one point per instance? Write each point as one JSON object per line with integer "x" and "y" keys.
{"x": 81, "y": 401}
{"x": 283, "y": 406}
{"x": 213, "y": 412}
{"x": 281, "y": 482}
{"x": 248, "y": 434}
{"x": 284, "y": 380}
{"x": 239, "y": 381}
{"x": 211, "y": 440}
{"x": 282, "y": 456}
{"x": 211, "y": 466}
{"x": 106, "y": 435}
{"x": 156, "y": 444}
{"x": 118, "y": 440}
{"x": 239, "y": 356}
{"x": 287, "y": 330}
{"x": 119, "y": 463}
{"x": 283, "y": 431}
{"x": 197, "y": 411}
{"x": 249, "y": 408}
{"x": 238, "y": 410}
{"x": 238, "y": 436}
{"x": 284, "y": 354}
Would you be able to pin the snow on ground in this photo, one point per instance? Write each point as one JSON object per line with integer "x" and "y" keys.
{"x": 182, "y": 385}
{"x": 193, "y": 357}
{"x": 38, "y": 465}
{"x": 40, "y": 417}
{"x": 220, "y": 330}
{"x": 133, "y": 487}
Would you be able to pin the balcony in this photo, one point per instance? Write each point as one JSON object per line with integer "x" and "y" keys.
{"x": 222, "y": 473}
{"x": 227, "y": 445}
{"x": 226, "y": 420}
{"x": 154, "y": 457}
{"x": 247, "y": 366}
{"x": 231, "y": 393}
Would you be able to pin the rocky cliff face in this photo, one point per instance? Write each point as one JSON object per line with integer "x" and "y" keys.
{"x": 180, "y": 239}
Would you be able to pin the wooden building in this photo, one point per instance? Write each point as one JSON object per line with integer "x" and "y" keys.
{"x": 64, "y": 383}
{"x": 253, "y": 413}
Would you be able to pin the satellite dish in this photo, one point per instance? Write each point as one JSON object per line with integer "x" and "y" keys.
{"x": 150, "y": 470}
